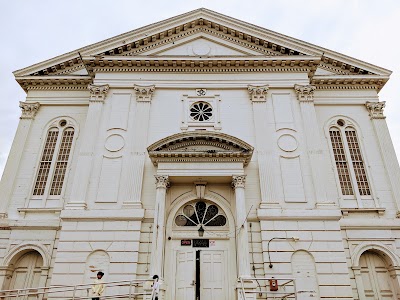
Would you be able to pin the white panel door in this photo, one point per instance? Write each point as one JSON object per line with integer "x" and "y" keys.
{"x": 376, "y": 279}
{"x": 27, "y": 272}
{"x": 213, "y": 275}
{"x": 185, "y": 275}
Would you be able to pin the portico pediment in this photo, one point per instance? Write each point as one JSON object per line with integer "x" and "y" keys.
{"x": 200, "y": 146}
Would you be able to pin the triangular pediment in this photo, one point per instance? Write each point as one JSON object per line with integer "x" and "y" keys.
{"x": 200, "y": 146}
{"x": 197, "y": 32}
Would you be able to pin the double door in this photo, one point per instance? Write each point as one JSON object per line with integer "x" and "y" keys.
{"x": 201, "y": 275}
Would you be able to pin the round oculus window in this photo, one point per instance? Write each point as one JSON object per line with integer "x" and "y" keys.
{"x": 201, "y": 111}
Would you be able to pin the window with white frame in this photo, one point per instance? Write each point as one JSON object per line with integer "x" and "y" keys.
{"x": 349, "y": 161}
{"x": 54, "y": 160}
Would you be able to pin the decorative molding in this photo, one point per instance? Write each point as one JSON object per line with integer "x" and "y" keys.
{"x": 162, "y": 181}
{"x": 144, "y": 93}
{"x": 70, "y": 82}
{"x": 375, "y": 109}
{"x": 238, "y": 181}
{"x": 98, "y": 92}
{"x": 305, "y": 93}
{"x": 258, "y": 93}
{"x": 29, "y": 110}
{"x": 202, "y": 146}
{"x": 349, "y": 82}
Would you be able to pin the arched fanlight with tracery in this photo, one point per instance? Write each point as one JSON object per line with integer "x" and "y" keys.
{"x": 200, "y": 213}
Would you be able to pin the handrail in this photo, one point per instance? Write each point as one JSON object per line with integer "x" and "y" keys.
{"x": 38, "y": 291}
{"x": 286, "y": 288}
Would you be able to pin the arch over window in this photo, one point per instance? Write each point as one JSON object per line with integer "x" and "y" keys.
{"x": 200, "y": 212}
{"x": 349, "y": 160}
{"x": 54, "y": 159}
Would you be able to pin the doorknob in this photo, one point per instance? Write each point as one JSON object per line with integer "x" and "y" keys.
{"x": 193, "y": 283}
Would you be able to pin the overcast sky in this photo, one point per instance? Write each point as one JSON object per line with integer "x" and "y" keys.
{"x": 33, "y": 31}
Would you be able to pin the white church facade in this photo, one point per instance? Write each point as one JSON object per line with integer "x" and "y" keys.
{"x": 210, "y": 152}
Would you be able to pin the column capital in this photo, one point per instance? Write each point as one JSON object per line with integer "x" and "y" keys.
{"x": 162, "y": 181}
{"x": 305, "y": 93}
{"x": 144, "y": 93}
{"x": 375, "y": 109}
{"x": 258, "y": 93}
{"x": 238, "y": 181}
{"x": 29, "y": 110}
{"x": 98, "y": 92}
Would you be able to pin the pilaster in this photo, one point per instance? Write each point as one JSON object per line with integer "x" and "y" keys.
{"x": 391, "y": 164}
{"x": 264, "y": 134}
{"x": 28, "y": 113}
{"x": 80, "y": 185}
{"x": 134, "y": 168}
{"x": 305, "y": 95}
{"x": 158, "y": 239}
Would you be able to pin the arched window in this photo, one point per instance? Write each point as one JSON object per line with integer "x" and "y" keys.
{"x": 200, "y": 213}
{"x": 54, "y": 160}
{"x": 349, "y": 162}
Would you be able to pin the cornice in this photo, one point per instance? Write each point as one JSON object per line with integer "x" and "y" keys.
{"x": 349, "y": 82}
{"x": 79, "y": 83}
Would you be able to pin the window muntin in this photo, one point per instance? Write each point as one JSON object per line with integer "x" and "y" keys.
{"x": 341, "y": 162}
{"x": 54, "y": 160}
{"x": 45, "y": 162}
{"x": 201, "y": 111}
{"x": 349, "y": 162}
{"x": 200, "y": 213}
{"x": 358, "y": 163}
{"x": 62, "y": 161}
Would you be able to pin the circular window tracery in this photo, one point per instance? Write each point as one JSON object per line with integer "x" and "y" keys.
{"x": 201, "y": 111}
{"x": 200, "y": 213}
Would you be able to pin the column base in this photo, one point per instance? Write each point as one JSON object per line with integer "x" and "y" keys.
{"x": 132, "y": 205}
{"x": 273, "y": 205}
{"x": 76, "y": 205}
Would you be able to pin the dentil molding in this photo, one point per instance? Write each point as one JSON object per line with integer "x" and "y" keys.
{"x": 375, "y": 109}
{"x": 29, "y": 110}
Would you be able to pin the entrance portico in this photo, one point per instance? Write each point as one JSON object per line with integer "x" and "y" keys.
{"x": 193, "y": 267}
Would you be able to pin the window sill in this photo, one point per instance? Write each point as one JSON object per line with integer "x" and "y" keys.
{"x": 379, "y": 210}
{"x": 39, "y": 210}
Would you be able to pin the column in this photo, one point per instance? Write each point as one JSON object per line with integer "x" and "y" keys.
{"x": 87, "y": 145}
{"x": 134, "y": 166}
{"x": 359, "y": 283}
{"x": 29, "y": 111}
{"x": 388, "y": 153}
{"x": 265, "y": 133}
{"x": 242, "y": 239}
{"x": 305, "y": 95}
{"x": 157, "y": 244}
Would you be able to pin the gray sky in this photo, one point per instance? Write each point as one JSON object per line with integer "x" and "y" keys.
{"x": 33, "y": 31}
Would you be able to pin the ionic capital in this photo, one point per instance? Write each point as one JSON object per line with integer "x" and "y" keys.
{"x": 162, "y": 181}
{"x": 144, "y": 93}
{"x": 238, "y": 181}
{"x": 29, "y": 110}
{"x": 258, "y": 93}
{"x": 375, "y": 109}
{"x": 98, "y": 92}
{"x": 305, "y": 93}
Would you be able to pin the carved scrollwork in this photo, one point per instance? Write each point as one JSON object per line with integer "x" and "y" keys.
{"x": 238, "y": 181}
{"x": 305, "y": 93}
{"x": 258, "y": 93}
{"x": 375, "y": 109}
{"x": 162, "y": 181}
{"x": 144, "y": 93}
{"x": 29, "y": 110}
{"x": 98, "y": 92}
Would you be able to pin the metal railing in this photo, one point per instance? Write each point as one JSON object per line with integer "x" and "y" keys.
{"x": 126, "y": 289}
{"x": 286, "y": 288}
